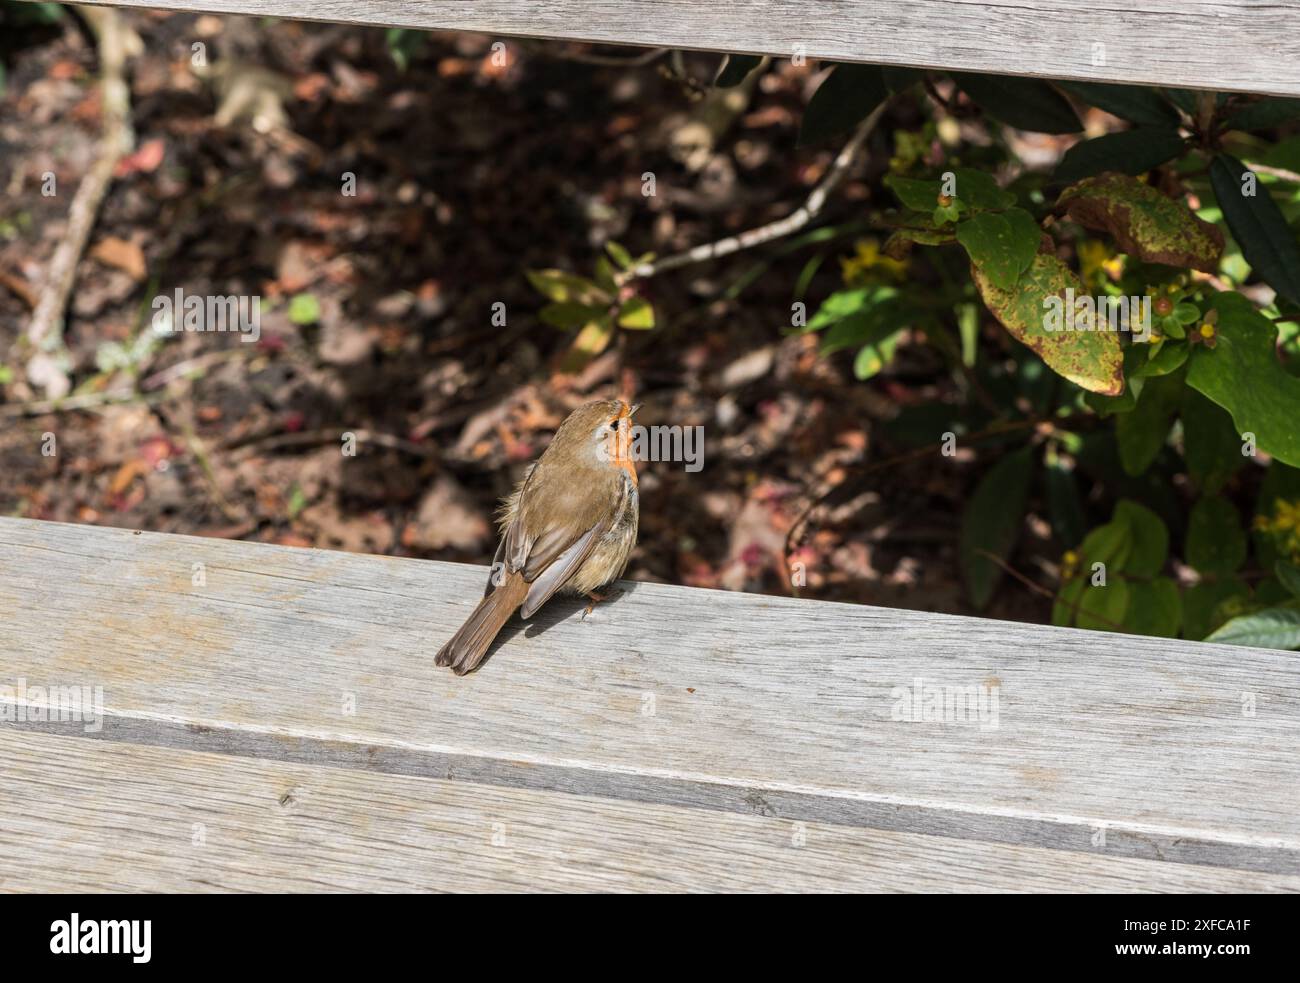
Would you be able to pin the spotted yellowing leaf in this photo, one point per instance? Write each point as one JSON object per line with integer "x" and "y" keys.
{"x": 1091, "y": 359}
{"x": 1144, "y": 222}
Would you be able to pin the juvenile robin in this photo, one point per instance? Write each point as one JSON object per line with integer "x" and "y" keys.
{"x": 569, "y": 525}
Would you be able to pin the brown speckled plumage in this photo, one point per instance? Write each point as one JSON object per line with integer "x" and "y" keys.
{"x": 570, "y": 525}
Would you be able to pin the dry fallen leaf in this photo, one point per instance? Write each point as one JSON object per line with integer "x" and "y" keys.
{"x": 123, "y": 255}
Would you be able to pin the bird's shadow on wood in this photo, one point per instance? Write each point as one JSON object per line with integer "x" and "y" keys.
{"x": 559, "y": 608}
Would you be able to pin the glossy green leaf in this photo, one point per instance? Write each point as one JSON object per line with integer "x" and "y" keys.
{"x": 1272, "y": 628}
{"x": 1135, "y": 103}
{"x": 1216, "y": 542}
{"x": 1001, "y": 245}
{"x": 1025, "y": 103}
{"x": 1144, "y": 222}
{"x": 1264, "y": 115}
{"x": 991, "y": 523}
{"x": 1129, "y": 152}
{"x": 1255, "y": 221}
{"x": 844, "y": 99}
{"x": 1091, "y": 359}
{"x": 1242, "y": 374}
{"x": 1211, "y": 444}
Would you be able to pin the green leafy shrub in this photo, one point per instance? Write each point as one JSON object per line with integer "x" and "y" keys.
{"x": 1155, "y": 274}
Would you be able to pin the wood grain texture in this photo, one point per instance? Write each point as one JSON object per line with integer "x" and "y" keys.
{"x": 669, "y": 696}
{"x": 1230, "y": 45}
{"x": 125, "y": 818}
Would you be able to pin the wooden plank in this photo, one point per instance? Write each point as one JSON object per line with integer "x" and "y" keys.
{"x": 1229, "y": 45}
{"x": 738, "y": 703}
{"x": 125, "y": 818}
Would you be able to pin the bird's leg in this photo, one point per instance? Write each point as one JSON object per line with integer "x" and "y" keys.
{"x": 594, "y": 598}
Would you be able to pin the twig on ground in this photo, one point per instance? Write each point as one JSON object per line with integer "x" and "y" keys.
{"x": 793, "y": 222}
{"x": 146, "y": 392}
{"x": 85, "y": 401}
{"x": 117, "y": 42}
{"x": 313, "y": 438}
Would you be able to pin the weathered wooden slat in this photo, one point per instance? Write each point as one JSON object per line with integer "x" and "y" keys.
{"x": 128, "y": 818}
{"x": 1229, "y": 45}
{"x": 1127, "y": 746}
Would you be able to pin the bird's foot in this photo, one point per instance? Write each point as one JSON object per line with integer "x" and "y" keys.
{"x": 593, "y": 598}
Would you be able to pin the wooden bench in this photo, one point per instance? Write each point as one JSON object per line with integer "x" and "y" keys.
{"x": 280, "y": 725}
{"x": 271, "y": 718}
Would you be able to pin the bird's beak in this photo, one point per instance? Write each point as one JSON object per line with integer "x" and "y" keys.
{"x": 633, "y": 408}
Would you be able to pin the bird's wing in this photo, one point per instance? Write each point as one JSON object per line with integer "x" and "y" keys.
{"x": 548, "y": 557}
{"x": 557, "y": 572}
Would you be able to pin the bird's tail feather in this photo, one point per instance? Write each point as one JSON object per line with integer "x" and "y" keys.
{"x": 470, "y": 644}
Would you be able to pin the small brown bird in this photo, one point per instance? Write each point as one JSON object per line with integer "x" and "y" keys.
{"x": 569, "y": 525}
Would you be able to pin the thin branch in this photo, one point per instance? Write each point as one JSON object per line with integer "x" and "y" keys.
{"x": 793, "y": 222}
{"x": 146, "y": 392}
{"x": 1277, "y": 172}
{"x": 117, "y": 42}
{"x": 85, "y": 401}
{"x": 316, "y": 438}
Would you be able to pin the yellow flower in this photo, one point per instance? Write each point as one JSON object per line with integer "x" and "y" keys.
{"x": 1283, "y": 527}
{"x": 1097, "y": 262}
{"x": 1069, "y": 565}
{"x": 868, "y": 260}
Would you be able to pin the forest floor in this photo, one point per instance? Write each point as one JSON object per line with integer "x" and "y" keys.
{"x": 377, "y": 314}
